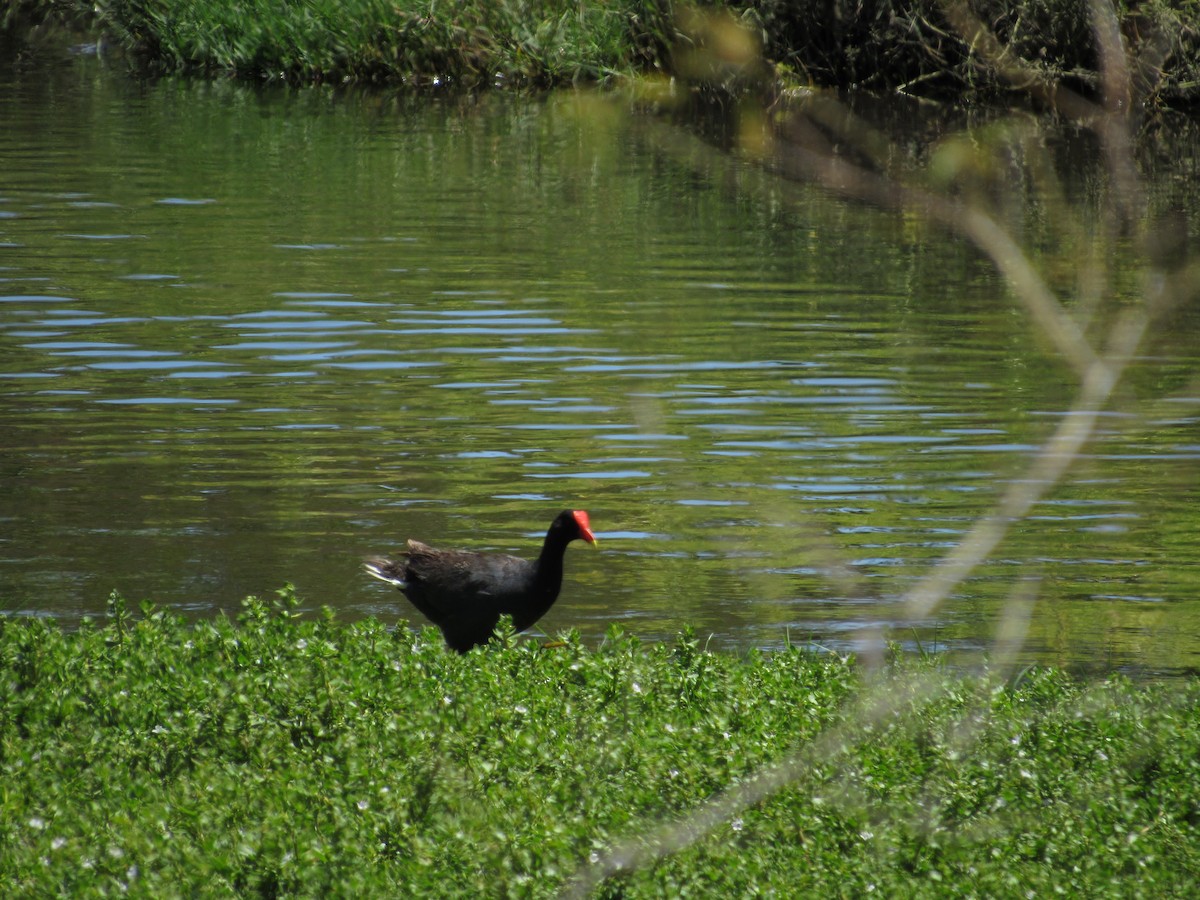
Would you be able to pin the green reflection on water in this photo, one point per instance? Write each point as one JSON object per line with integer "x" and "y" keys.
{"x": 253, "y": 336}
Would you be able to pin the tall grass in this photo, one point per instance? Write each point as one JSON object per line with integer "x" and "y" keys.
{"x": 907, "y": 45}
{"x": 516, "y": 41}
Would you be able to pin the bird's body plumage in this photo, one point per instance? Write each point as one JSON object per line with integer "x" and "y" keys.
{"x": 464, "y": 593}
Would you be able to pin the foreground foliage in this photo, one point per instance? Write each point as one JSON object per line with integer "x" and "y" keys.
{"x": 277, "y": 755}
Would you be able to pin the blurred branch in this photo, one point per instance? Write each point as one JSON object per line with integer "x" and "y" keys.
{"x": 824, "y": 143}
{"x": 1110, "y": 120}
{"x": 1031, "y": 290}
{"x": 673, "y": 837}
{"x": 1074, "y": 429}
{"x": 806, "y": 154}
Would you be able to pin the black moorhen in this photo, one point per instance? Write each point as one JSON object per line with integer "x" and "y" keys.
{"x": 464, "y": 593}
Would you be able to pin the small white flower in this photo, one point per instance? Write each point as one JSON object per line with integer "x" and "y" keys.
{"x": 363, "y": 805}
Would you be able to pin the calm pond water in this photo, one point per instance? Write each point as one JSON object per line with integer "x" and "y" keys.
{"x": 252, "y": 336}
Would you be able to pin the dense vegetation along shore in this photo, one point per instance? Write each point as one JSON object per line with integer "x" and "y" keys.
{"x": 277, "y": 755}
{"x": 908, "y": 45}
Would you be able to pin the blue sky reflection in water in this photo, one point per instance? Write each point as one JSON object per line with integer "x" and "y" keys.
{"x": 254, "y": 336}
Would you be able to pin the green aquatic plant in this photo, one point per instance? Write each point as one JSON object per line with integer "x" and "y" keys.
{"x": 271, "y": 753}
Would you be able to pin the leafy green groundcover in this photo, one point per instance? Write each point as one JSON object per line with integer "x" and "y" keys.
{"x": 276, "y": 755}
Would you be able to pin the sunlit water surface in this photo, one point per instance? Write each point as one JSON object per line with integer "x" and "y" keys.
{"x": 253, "y": 336}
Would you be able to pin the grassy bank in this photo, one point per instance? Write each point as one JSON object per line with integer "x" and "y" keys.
{"x": 277, "y": 756}
{"x": 538, "y": 42}
{"x": 908, "y": 45}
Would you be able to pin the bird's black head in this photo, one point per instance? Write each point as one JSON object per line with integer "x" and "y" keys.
{"x": 572, "y": 524}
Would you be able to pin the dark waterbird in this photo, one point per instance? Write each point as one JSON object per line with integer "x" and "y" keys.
{"x": 464, "y": 593}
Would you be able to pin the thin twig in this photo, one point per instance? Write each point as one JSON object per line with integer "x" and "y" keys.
{"x": 1099, "y": 373}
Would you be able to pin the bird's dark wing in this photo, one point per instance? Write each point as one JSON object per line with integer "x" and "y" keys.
{"x": 456, "y": 578}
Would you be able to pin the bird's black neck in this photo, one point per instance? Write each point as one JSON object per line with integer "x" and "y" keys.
{"x": 550, "y": 561}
